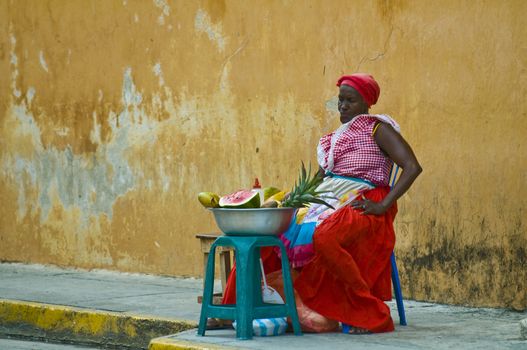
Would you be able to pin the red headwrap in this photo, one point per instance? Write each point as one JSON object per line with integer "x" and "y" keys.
{"x": 365, "y": 85}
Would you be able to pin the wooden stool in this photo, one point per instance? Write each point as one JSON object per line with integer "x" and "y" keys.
{"x": 206, "y": 240}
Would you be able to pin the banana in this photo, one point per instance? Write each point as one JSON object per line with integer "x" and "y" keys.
{"x": 278, "y": 196}
{"x": 275, "y": 201}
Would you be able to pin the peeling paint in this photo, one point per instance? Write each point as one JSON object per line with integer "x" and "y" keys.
{"x": 14, "y": 59}
{"x": 62, "y": 131}
{"x": 14, "y": 64}
{"x": 43, "y": 63}
{"x": 162, "y": 4}
{"x": 158, "y": 73}
{"x": 72, "y": 176}
{"x": 29, "y": 95}
{"x": 202, "y": 23}
{"x": 165, "y": 178}
{"x": 95, "y": 133}
{"x": 332, "y": 104}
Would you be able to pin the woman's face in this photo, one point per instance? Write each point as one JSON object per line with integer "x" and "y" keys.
{"x": 351, "y": 104}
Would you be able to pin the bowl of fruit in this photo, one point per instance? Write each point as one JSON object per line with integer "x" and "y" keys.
{"x": 242, "y": 213}
{"x": 253, "y": 222}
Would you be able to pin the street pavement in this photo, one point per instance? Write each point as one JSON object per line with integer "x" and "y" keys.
{"x": 102, "y": 290}
{"x": 430, "y": 326}
{"x": 16, "y": 344}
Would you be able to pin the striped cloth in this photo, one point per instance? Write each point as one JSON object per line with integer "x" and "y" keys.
{"x": 265, "y": 327}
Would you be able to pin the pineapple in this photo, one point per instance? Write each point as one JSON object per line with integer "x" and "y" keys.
{"x": 305, "y": 190}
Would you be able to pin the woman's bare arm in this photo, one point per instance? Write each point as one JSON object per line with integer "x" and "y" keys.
{"x": 395, "y": 147}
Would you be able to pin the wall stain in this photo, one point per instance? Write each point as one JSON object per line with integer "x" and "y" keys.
{"x": 488, "y": 271}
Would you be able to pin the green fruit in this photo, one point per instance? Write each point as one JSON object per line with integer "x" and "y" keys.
{"x": 270, "y": 191}
{"x": 241, "y": 199}
{"x": 209, "y": 199}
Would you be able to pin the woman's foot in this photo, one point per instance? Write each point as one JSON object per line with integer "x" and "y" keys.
{"x": 357, "y": 330}
{"x": 354, "y": 330}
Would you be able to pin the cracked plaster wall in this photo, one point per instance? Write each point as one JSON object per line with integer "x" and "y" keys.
{"x": 115, "y": 114}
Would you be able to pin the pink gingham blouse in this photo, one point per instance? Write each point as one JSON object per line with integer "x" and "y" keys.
{"x": 355, "y": 152}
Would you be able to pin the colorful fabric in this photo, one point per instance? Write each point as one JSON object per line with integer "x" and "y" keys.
{"x": 352, "y": 151}
{"x": 265, "y": 327}
{"x": 349, "y": 276}
{"x": 365, "y": 85}
{"x": 298, "y": 239}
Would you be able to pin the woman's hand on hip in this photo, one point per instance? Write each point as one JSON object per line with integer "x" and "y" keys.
{"x": 368, "y": 207}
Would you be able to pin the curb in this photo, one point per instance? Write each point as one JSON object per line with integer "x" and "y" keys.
{"x": 170, "y": 343}
{"x": 71, "y": 324}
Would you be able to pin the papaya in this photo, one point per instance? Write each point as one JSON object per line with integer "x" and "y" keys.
{"x": 209, "y": 199}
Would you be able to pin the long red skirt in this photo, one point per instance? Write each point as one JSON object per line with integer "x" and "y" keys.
{"x": 349, "y": 276}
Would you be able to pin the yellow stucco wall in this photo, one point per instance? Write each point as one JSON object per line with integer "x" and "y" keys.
{"x": 115, "y": 114}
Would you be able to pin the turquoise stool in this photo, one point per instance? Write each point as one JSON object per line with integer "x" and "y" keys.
{"x": 249, "y": 302}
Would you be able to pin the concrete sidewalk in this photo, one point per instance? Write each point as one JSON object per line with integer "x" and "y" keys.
{"x": 128, "y": 310}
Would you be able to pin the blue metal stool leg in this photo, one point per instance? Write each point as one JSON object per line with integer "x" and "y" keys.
{"x": 397, "y": 291}
{"x": 395, "y": 273}
{"x": 345, "y": 328}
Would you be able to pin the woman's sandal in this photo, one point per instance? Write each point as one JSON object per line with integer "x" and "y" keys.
{"x": 354, "y": 330}
{"x": 357, "y": 330}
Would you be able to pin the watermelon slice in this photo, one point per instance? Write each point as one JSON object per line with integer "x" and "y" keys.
{"x": 241, "y": 199}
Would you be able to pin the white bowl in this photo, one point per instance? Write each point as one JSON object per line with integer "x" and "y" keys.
{"x": 251, "y": 222}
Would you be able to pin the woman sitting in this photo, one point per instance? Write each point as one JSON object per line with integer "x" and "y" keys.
{"x": 343, "y": 254}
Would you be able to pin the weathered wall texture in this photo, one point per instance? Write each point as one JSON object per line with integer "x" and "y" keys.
{"x": 115, "y": 114}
